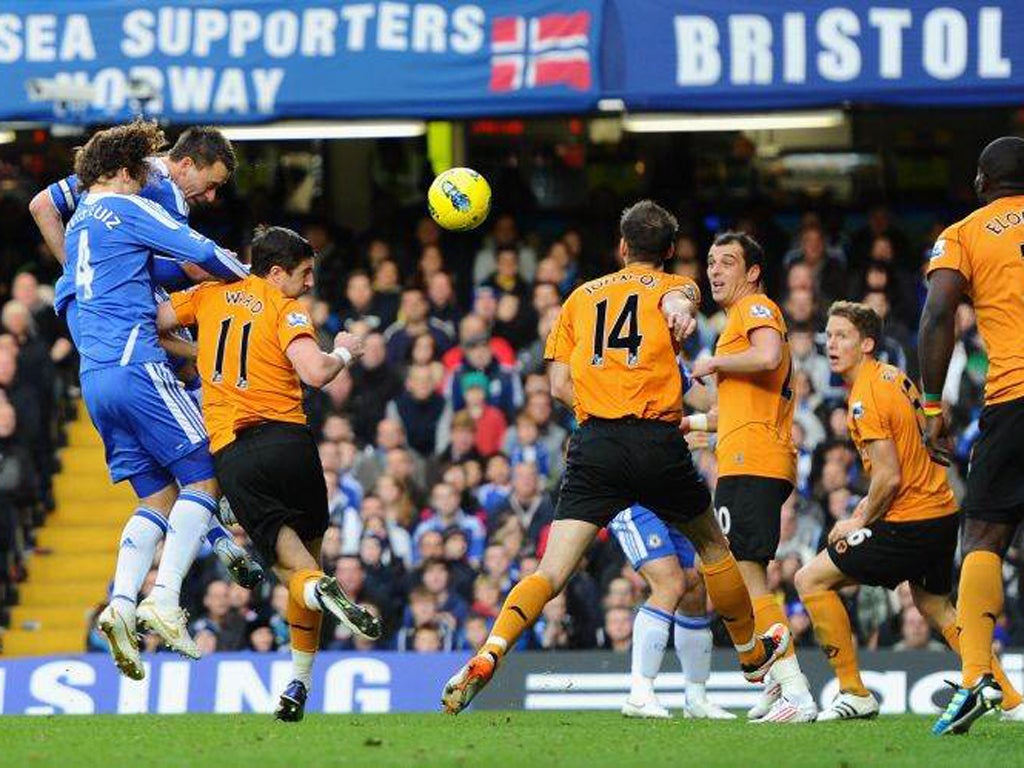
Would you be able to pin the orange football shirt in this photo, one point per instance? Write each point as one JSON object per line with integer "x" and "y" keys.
{"x": 244, "y": 330}
{"x": 755, "y": 410}
{"x": 987, "y": 248}
{"x": 885, "y": 405}
{"x": 622, "y": 358}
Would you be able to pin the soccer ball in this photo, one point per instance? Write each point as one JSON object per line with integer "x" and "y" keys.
{"x": 459, "y": 199}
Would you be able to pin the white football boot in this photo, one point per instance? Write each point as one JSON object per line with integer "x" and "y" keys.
{"x": 117, "y": 623}
{"x": 171, "y": 623}
{"x": 848, "y": 706}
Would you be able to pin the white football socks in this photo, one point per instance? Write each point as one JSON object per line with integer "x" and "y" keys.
{"x": 693, "y": 642}
{"x": 650, "y": 636}
{"x": 302, "y": 666}
{"x": 139, "y": 539}
{"x": 188, "y": 523}
{"x": 309, "y": 595}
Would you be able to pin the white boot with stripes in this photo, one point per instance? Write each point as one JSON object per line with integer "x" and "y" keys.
{"x": 847, "y": 706}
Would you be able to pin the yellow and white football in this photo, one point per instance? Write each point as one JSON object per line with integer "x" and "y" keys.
{"x": 459, "y": 199}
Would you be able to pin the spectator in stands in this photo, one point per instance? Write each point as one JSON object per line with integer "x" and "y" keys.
{"x": 221, "y": 618}
{"x": 879, "y": 225}
{"x": 430, "y": 263}
{"x": 372, "y": 462}
{"x": 362, "y": 305}
{"x": 375, "y": 384}
{"x": 489, "y": 421}
{"x": 461, "y": 445}
{"x": 452, "y": 608}
{"x": 444, "y": 306}
{"x": 472, "y": 328}
{"x": 491, "y": 494}
{"x": 527, "y": 447}
{"x": 330, "y": 262}
{"x": 915, "y": 634}
{"x": 444, "y": 513}
{"x": 461, "y": 573}
{"x": 528, "y": 504}
{"x": 898, "y": 344}
{"x": 420, "y": 409}
{"x": 414, "y": 321}
{"x": 424, "y": 352}
{"x": 387, "y": 287}
{"x": 827, "y": 263}
{"x": 474, "y": 633}
{"x": 422, "y": 612}
{"x": 618, "y": 630}
{"x": 504, "y": 234}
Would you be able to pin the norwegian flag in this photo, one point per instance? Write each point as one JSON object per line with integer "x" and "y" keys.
{"x": 541, "y": 51}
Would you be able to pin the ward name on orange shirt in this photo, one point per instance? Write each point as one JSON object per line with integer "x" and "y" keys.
{"x": 244, "y": 330}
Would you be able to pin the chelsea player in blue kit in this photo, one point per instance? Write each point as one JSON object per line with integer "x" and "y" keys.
{"x": 200, "y": 162}
{"x": 152, "y": 431}
{"x": 666, "y": 560}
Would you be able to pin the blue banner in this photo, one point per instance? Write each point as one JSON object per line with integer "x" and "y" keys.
{"x": 248, "y": 61}
{"x": 223, "y": 682}
{"x": 255, "y": 60}
{"x": 230, "y": 683}
{"x": 709, "y": 54}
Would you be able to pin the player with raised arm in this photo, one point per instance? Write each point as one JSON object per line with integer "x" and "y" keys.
{"x": 905, "y": 529}
{"x": 980, "y": 258}
{"x": 257, "y": 345}
{"x": 199, "y": 163}
{"x": 666, "y": 560}
{"x": 152, "y": 432}
{"x": 756, "y": 455}
{"x": 612, "y": 358}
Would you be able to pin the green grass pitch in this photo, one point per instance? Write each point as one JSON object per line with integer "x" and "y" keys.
{"x": 499, "y": 739}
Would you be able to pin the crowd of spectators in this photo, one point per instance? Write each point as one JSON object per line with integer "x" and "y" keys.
{"x": 37, "y": 376}
{"x": 443, "y": 449}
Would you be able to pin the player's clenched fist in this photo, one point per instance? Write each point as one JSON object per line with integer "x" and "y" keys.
{"x": 349, "y": 341}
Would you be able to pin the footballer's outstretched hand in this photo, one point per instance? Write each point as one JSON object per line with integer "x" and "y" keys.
{"x": 351, "y": 342}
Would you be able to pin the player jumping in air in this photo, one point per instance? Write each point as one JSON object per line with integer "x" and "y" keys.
{"x": 905, "y": 529}
{"x": 199, "y": 163}
{"x": 613, "y": 359}
{"x": 257, "y": 346}
{"x": 152, "y": 432}
{"x": 756, "y": 456}
{"x": 980, "y": 258}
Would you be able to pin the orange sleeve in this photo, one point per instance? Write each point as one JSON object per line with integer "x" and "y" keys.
{"x": 871, "y": 415}
{"x": 560, "y": 341}
{"x": 756, "y": 313}
{"x": 186, "y": 304}
{"x": 949, "y": 253}
{"x": 293, "y": 321}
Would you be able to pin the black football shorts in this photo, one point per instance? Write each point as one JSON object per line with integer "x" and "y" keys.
{"x": 272, "y": 476}
{"x": 612, "y": 464}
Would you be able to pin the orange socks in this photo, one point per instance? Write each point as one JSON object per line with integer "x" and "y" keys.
{"x": 303, "y": 621}
{"x": 1011, "y": 697}
{"x": 835, "y": 636}
{"x": 732, "y": 601}
{"x": 522, "y": 607}
{"x": 979, "y": 604}
{"x": 767, "y": 611}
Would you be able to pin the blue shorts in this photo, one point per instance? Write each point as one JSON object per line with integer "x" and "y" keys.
{"x": 643, "y": 536}
{"x": 152, "y": 430}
